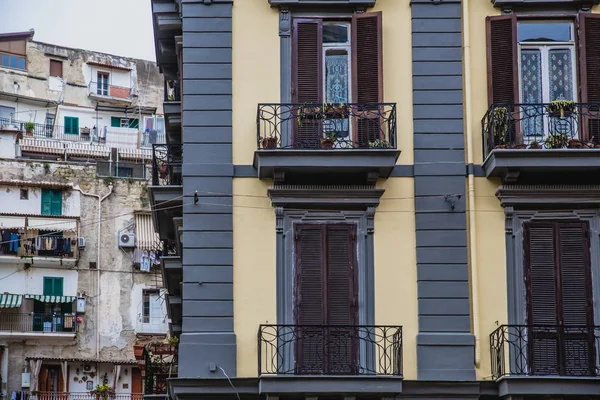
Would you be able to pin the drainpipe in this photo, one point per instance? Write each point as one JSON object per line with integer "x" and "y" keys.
{"x": 471, "y": 181}
{"x": 100, "y": 200}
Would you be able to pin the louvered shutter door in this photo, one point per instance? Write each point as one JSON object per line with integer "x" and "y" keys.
{"x": 541, "y": 297}
{"x": 307, "y": 78}
{"x": 589, "y": 70}
{"x": 56, "y": 206}
{"x": 309, "y": 297}
{"x": 341, "y": 301}
{"x": 576, "y": 295}
{"x": 367, "y": 75}
{"x": 46, "y": 202}
{"x": 502, "y": 53}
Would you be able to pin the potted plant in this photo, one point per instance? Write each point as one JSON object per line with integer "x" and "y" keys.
{"x": 557, "y": 141}
{"x": 268, "y": 142}
{"x": 518, "y": 146}
{"x": 575, "y": 144}
{"x": 138, "y": 351}
{"x": 535, "y": 145}
{"x": 173, "y": 340}
{"x": 29, "y": 127}
{"x": 102, "y": 392}
{"x": 500, "y": 126}
{"x": 340, "y": 109}
{"x": 379, "y": 144}
{"x": 328, "y": 141}
{"x": 561, "y": 108}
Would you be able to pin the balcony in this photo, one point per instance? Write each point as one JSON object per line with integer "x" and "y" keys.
{"x": 523, "y": 355}
{"x": 102, "y": 91}
{"x": 166, "y": 192}
{"x": 172, "y": 110}
{"x": 521, "y": 141}
{"x": 357, "y": 141}
{"x": 36, "y": 325}
{"x": 83, "y": 396}
{"x": 160, "y": 364}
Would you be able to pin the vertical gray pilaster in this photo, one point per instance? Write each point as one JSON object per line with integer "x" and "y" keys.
{"x": 208, "y": 342}
{"x": 285, "y": 35}
{"x": 444, "y": 344}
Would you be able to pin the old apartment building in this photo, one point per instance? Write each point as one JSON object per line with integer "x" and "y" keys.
{"x": 79, "y": 277}
{"x": 380, "y": 198}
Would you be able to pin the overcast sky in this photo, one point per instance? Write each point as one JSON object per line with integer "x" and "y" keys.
{"x": 120, "y": 27}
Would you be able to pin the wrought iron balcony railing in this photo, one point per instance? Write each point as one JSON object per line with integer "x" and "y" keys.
{"x": 541, "y": 126}
{"x": 329, "y": 350}
{"x": 160, "y": 364}
{"x": 83, "y": 396}
{"x": 167, "y": 162}
{"x": 545, "y": 350}
{"x": 326, "y": 126}
{"x": 35, "y": 322}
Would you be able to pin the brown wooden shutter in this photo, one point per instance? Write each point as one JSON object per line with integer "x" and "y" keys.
{"x": 56, "y": 68}
{"x": 341, "y": 300}
{"x": 367, "y": 58}
{"x": 307, "y": 77}
{"x": 310, "y": 304}
{"x": 367, "y": 75}
{"x": 589, "y": 71}
{"x": 502, "y": 59}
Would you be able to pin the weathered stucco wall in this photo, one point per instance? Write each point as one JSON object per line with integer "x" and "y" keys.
{"x": 120, "y": 282}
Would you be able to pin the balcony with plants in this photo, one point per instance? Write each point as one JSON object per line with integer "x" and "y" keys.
{"x": 336, "y": 138}
{"x": 526, "y": 139}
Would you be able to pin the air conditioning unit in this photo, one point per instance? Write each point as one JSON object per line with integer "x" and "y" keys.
{"x": 81, "y": 242}
{"x": 126, "y": 240}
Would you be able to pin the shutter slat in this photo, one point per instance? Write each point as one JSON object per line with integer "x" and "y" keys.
{"x": 589, "y": 57}
{"x": 307, "y": 78}
{"x": 502, "y": 59}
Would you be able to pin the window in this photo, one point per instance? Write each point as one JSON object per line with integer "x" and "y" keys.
{"x": 24, "y": 194}
{"x": 152, "y": 311}
{"x": 12, "y": 61}
{"x": 118, "y": 122}
{"x": 532, "y": 62}
{"x": 51, "y": 202}
{"x": 326, "y": 289}
{"x": 72, "y": 125}
{"x": 56, "y": 68}
{"x": 559, "y": 294}
{"x": 53, "y": 286}
{"x": 146, "y": 307}
{"x": 102, "y": 84}
{"x": 337, "y": 62}
{"x": 49, "y": 124}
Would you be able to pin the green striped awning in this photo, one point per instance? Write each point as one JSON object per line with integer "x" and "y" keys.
{"x": 10, "y": 300}
{"x": 51, "y": 299}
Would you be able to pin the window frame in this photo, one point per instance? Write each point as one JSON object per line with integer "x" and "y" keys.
{"x": 105, "y": 83}
{"x": 24, "y": 194}
{"x": 9, "y": 55}
{"x": 56, "y": 62}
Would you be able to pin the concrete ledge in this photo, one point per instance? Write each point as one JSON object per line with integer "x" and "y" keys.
{"x": 207, "y": 355}
{"x": 509, "y": 163}
{"x": 323, "y": 385}
{"x": 548, "y": 386}
{"x": 325, "y": 162}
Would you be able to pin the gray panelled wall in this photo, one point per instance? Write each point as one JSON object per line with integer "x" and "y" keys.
{"x": 445, "y": 344}
{"x": 208, "y": 343}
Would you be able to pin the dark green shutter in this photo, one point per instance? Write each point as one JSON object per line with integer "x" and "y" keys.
{"x": 115, "y": 122}
{"x": 53, "y": 286}
{"x": 51, "y": 202}
{"x": 72, "y": 125}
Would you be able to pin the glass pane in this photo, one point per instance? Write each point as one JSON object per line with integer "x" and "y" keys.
{"x": 21, "y": 63}
{"x": 335, "y": 33}
{"x": 4, "y": 60}
{"x": 14, "y": 61}
{"x": 560, "y": 73}
{"x": 544, "y": 32}
{"x": 336, "y": 76}
{"x": 531, "y": 92}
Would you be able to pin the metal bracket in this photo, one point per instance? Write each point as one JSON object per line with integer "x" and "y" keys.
{"x": 452, "y": 199}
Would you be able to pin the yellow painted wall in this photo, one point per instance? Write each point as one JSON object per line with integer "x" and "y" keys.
{"x": 395, "y": 266}
{"x": 256, "y": 74}
{"x": 254, "y": 268}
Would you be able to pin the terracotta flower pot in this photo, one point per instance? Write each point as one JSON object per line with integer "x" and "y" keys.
{"x": 327, "y": 143}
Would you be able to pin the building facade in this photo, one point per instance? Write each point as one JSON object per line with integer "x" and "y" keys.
{"x": 79, "y": 277}
{"x": 375, "y": 198}
{"x": 73, "y": 103}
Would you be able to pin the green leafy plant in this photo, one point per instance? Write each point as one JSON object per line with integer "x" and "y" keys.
{"x": 500, "y": 125}
{"x": 173, "y": 340}
{"x": 29, "y": 127}
{"x": 379, "y": 144}
{"x": 102, "y": 392}
{"x": 557, "y": 141}
{"x": 560, "y": 108}
{"x": 535, "y": 145}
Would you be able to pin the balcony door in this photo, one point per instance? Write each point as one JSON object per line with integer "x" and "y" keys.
{"x": 547, "y": 67}
{"x": 559, "y": 299}
{"x": 326, "y": 304}
{"x": 102, "y": 85}
{"x": 334, "y": 63}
